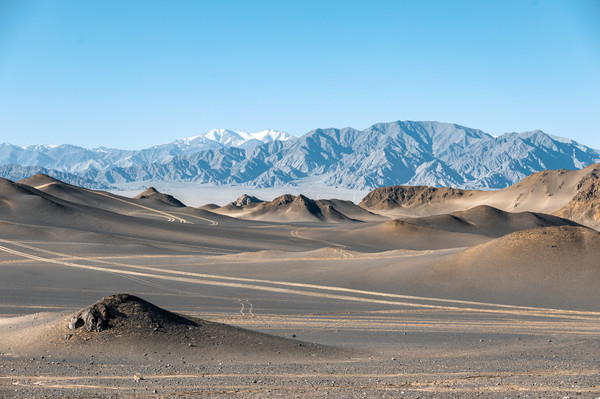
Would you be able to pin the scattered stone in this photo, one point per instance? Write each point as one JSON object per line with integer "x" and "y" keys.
{"x": 137, "y": 377}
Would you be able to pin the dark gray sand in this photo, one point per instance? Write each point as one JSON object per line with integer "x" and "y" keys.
{"x": 353, "y": 309}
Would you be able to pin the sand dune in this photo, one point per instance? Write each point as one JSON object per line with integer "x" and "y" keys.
{"x": 21, "y": 201}
{"x": 403, "y": 234}
{"x": 545, "y": 192}
{"x": 103, "y": 200}
{"x": 554, "y": 266}
{"x": 489, "y": 221}
{"x": 209, "y": 207}
{"x": 159, "y": 226}
{"x": 460, "y": 229}
{"x": 126, "y": 326}
{"x": 454, "y": 284}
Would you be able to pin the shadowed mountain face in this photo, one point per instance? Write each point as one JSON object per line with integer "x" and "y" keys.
{"x": 409, "y": 153}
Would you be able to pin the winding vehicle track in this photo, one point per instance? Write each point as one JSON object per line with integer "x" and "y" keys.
{"x": 170, "y": 217}
{"x": 301, "y": 289}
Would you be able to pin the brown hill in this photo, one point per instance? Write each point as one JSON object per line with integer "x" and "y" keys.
{"x": 585, "y": 206}
{"x": 154, "y": 195}
{"x": 547, "y": 192}
{"x": 551, "y": 266}
{"x": 351, "y": 210}
{"x": 246, "y": 200}
{"x": 411, "y": 196}
{"x": 289, "y": 208}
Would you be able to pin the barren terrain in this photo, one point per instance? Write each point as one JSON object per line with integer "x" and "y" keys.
{"x": 302, "y": 298}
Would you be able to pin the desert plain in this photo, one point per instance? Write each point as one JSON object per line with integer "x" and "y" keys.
{"x": 414, "y": 292}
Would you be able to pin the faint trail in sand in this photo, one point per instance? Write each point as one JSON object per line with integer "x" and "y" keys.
{"x": 246, "y": 311}
{"x": 296, "y": 233}
{"x": 168, "y": 216}
{"x": 233, "y": 282}
{"x": 242, "y": 308}
{"x": 250, "y": 308}
{"x": 454, "y": 376}
{"x": 212, "y": 222}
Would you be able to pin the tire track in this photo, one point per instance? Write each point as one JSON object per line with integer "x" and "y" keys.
{"x": 296, "y": 233}
{"x": 168, "y": 216}
{"x": 244, "y": 283}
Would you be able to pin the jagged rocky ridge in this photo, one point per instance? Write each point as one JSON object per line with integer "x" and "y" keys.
{"x": 409, "y": 153}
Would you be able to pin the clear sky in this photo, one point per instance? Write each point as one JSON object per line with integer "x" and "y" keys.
{"x": 130, "y": 74}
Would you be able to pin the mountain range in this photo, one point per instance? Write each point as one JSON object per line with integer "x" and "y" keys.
{"x": 397, "y": 153}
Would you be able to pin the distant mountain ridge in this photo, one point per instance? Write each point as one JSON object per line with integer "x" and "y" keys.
{"x": 397, "y": 153}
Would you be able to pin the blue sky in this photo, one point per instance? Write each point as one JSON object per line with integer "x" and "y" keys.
{"x": 130, "y": 74}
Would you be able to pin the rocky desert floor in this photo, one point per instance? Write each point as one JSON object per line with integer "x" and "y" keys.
{"x": 257, "y": 308}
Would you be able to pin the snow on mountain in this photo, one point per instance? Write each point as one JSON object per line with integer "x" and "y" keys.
{"x": 402, "y": 152}
{"x": 232, "y": 138}
{"x": 73, "y": 159}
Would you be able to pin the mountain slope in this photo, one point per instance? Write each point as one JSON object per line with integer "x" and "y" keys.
{"x": 385, "y": 154}
{"x": 396, "y": 153}
{"x": 74, "y": 159}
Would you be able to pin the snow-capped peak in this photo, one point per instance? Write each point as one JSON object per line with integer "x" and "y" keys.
{"x": 234, "y": 138}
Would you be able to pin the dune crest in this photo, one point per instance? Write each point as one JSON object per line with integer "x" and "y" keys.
{"x": 554, "y": 266}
